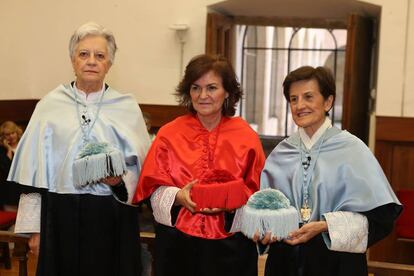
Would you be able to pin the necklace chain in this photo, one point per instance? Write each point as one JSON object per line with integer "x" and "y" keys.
{"x": 307, "y": 172}
{"x": 85, "y": 122}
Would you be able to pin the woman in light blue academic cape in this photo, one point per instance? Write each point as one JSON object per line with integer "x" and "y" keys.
{"x": 82, "y": 152}
{"x": 343, "y": 198}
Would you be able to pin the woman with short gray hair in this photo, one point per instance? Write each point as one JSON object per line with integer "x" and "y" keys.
{"x": 81, "y": 155}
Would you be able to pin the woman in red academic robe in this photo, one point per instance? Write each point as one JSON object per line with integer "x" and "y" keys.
{"x": 200, "y": 169}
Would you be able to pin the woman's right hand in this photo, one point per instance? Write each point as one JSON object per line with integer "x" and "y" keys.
{"x": 34, "y": 243}
{"x": 183, "y": 197}
{"x": 267, "y": 239}
{"x": 8, "y": 148}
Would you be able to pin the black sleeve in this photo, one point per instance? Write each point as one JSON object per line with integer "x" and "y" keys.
{"x": 175, "y": 210}
{"x": 120, "y": 191}
{"x": 381, "y": 221}
{"x": 228, "y": 220}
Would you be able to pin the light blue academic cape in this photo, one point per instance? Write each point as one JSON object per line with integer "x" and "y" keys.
{"x": 346, "y": 176}
{"x": 48, "y": 147}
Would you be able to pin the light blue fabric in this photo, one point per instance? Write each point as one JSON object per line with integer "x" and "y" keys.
{"x": 53, "y": 138}
{"x": 269, "y": 210}
{"x": 346, "y": 177}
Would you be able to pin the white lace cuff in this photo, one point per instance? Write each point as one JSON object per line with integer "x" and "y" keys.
{"x": 28, "y": 214}
{"x": 162, "y": 201}
{"x": 348, "y": 232}
{"x": 237, "y": 221}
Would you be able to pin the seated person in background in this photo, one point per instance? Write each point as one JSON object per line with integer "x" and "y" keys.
{"x": 10, "y": 134}
{"x": 340, "y": 191}
{"x": 200, "y": 168}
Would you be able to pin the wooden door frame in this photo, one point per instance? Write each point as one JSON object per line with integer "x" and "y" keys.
{"x": 216, "y": 21}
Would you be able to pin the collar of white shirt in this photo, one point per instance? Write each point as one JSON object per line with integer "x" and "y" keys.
{"x": 309, "y": 142}
{"x": 90, "y": 97}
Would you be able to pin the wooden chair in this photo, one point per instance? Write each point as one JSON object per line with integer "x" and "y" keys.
{"x": 21, "y": 248}
{"x": 7, "y": 219}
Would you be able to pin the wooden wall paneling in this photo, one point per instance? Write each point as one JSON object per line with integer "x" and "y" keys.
{"x": 403, "y": 167}
{"x": 394, "y": 129}
{"x": 383, "y": 153}
{"x": 18, "y": 111}
{"x": 159, "y": 115}
{"x": 394, "y": 149}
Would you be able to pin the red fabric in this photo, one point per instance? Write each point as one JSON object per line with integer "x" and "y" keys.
{"x": 184, "y": 150}
{"x": 7, "y": 218}
{"x": 219, "y": 189}
{"x": 405, "y": 223}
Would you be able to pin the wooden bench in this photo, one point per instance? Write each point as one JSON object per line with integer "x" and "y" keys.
{"x": 389, "y": 269}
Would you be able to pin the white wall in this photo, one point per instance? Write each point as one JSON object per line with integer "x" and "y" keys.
{"x": 35, "y": 34}
{"x": 408, "y": 104}
{"x": 395, "y": 84}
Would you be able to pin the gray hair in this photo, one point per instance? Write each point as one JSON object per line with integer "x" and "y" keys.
{"x": 93, "y": 29}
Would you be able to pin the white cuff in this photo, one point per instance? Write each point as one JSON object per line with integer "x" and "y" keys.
{"x": 28, "y": 213}
{"x": 237, "y": 221}
{"x": 162, "y": 201}
{"x": 348, "y": 232}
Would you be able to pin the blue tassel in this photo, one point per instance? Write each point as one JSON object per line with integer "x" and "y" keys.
{"x": 97, "y": 161}
{"x": 269, "y": 210}
{"x": 268, "y": 199}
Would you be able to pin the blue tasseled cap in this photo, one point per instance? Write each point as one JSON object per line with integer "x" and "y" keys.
{"x": 94, "y": 148}
{"x": 268, "y": 199}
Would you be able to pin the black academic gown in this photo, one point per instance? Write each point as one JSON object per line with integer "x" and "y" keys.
{"x": 179, "y": 254}
{"x": 313, "y": 258}
{"x": 86, "y": 235}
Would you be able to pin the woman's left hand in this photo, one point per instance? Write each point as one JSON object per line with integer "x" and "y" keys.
{"x": 112, "y": 180}
{"x": 306, "y": 232}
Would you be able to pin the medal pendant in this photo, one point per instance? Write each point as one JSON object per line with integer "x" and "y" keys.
{"x": 305, "y": 213}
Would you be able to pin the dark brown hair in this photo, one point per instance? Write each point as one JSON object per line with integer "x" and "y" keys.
{"x": 322, "y": 75}
{"x": 202, "y": 64}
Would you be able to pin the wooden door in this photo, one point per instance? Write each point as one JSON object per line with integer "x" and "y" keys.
{"x": 355, "y": 116}
{"x": 220, "y": 35}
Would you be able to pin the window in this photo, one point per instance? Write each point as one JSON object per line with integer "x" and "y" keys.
{"x": 265, "y": 54}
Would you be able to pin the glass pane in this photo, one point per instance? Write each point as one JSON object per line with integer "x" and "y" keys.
{"x": 308, "y": 38}
{"x": 267, "y": 58}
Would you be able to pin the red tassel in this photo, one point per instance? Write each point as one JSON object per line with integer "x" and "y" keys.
{"x": 219, "y": 189}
